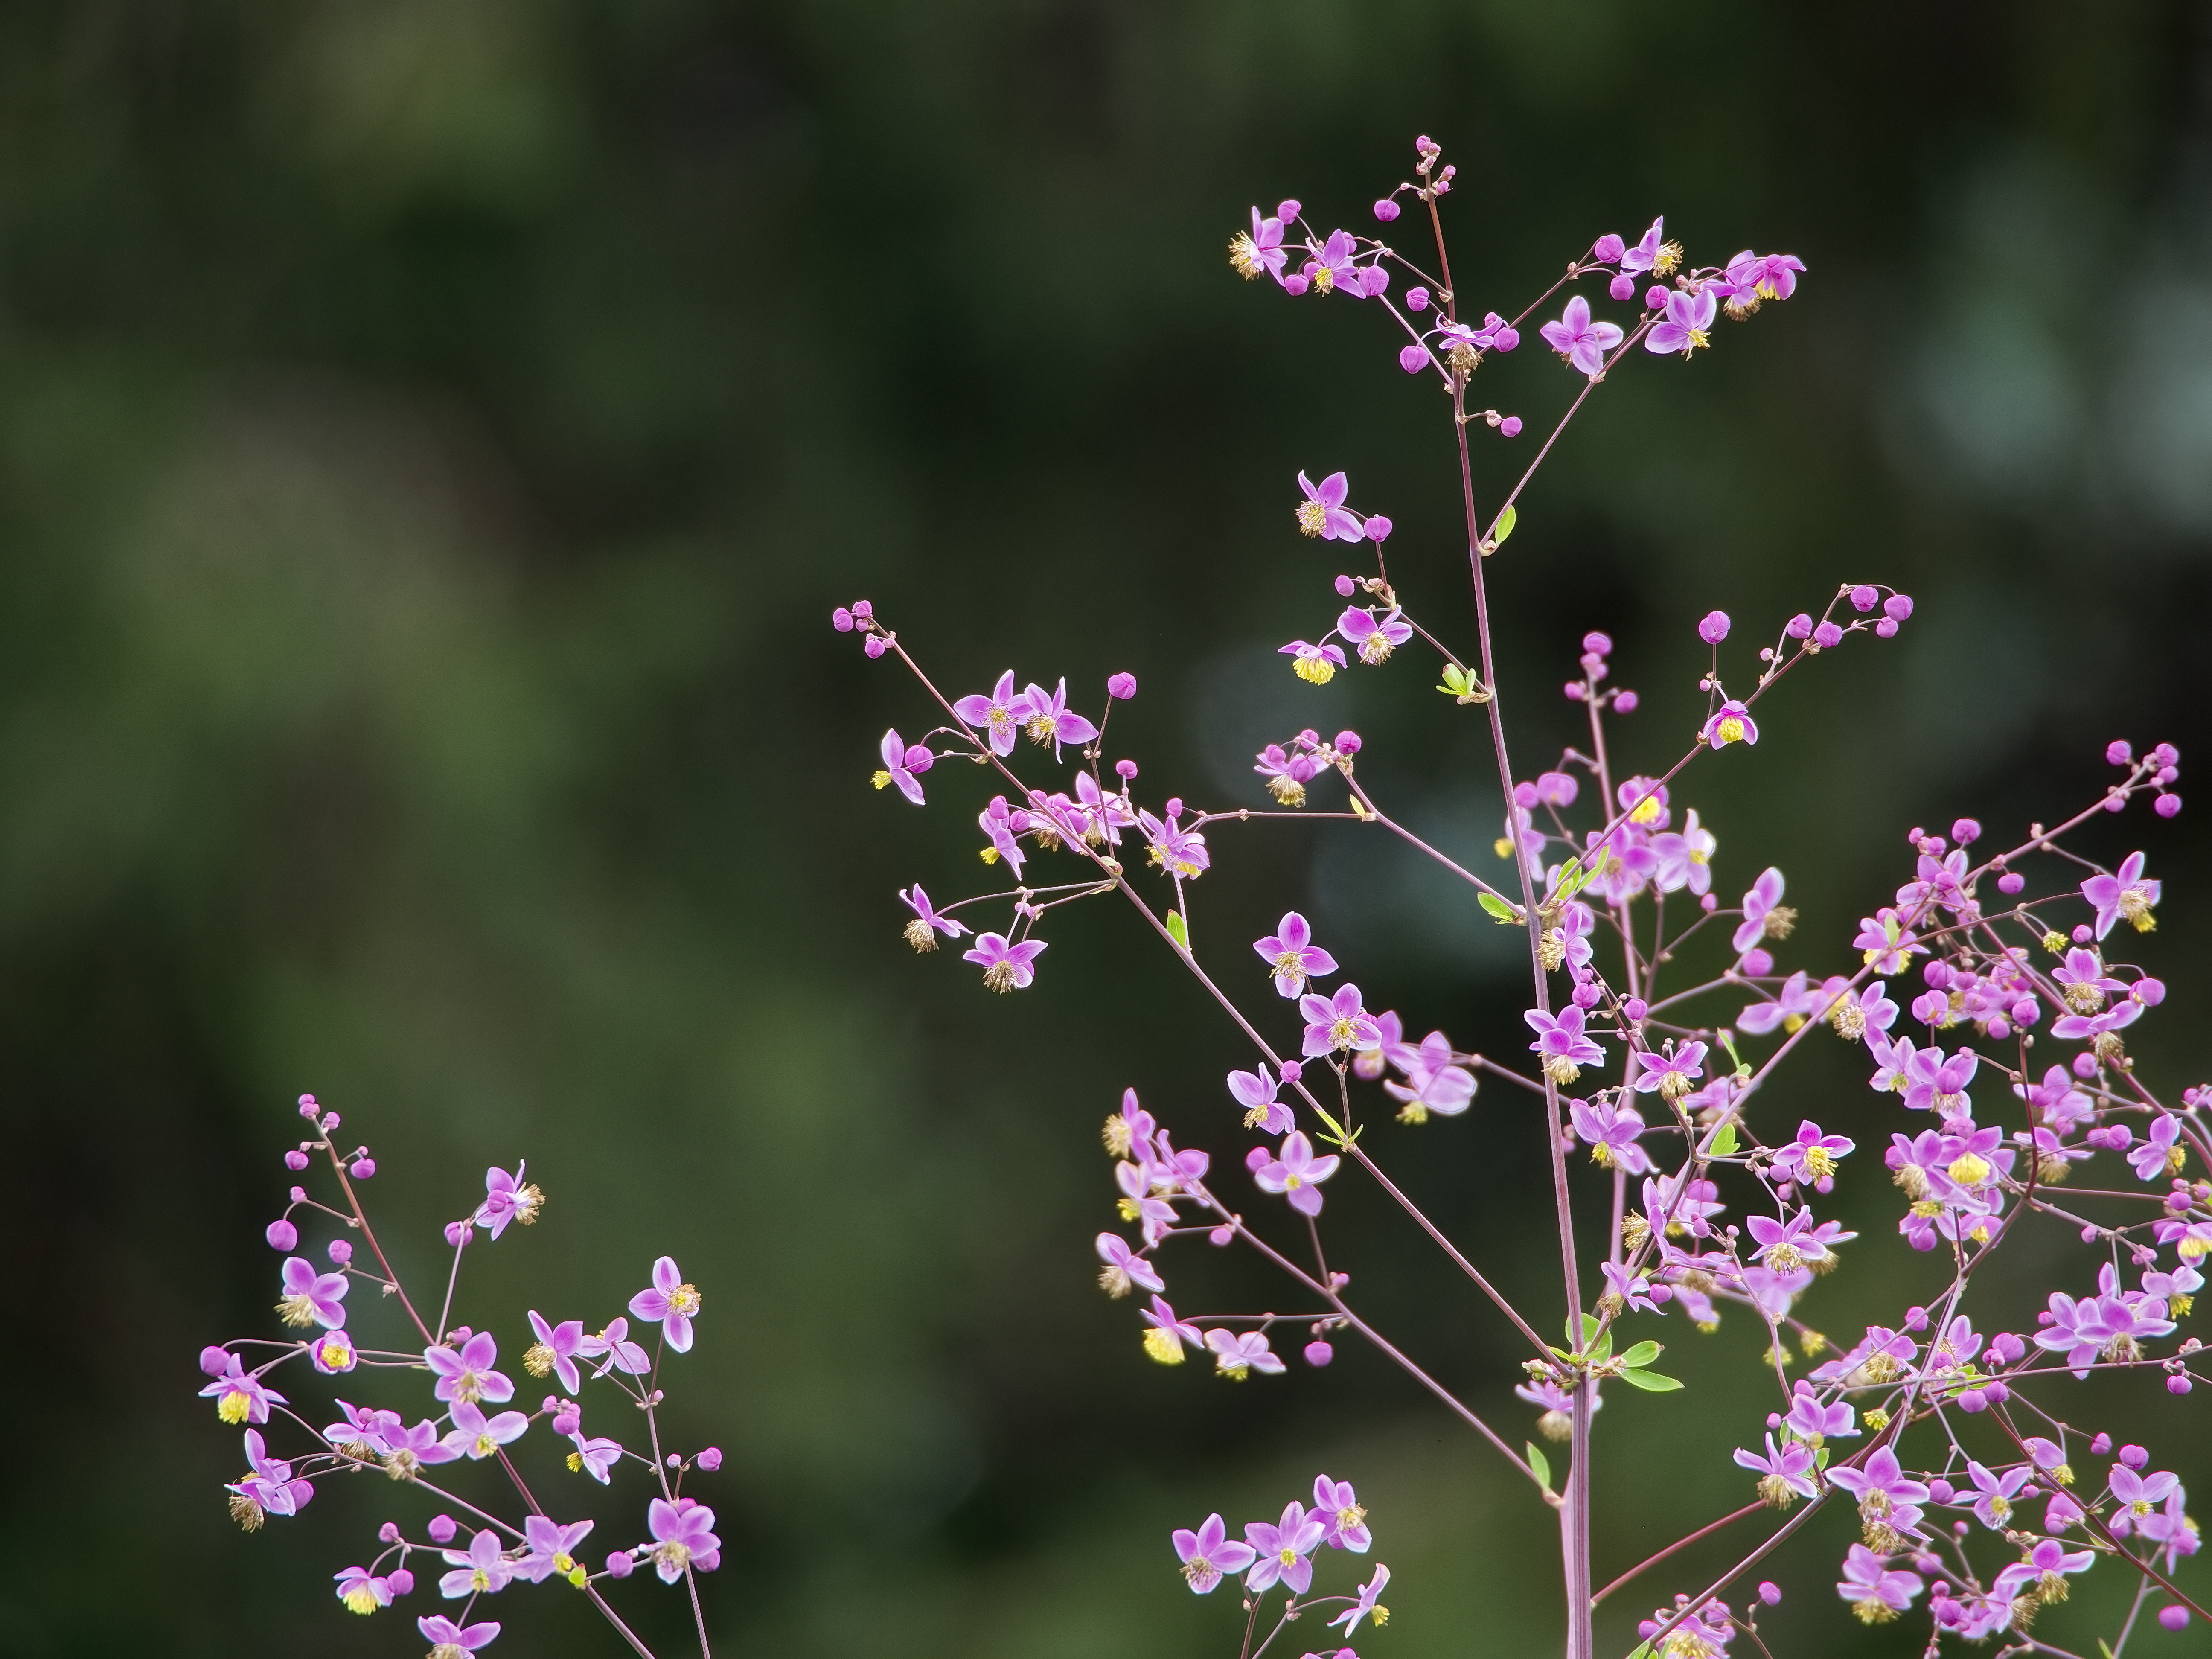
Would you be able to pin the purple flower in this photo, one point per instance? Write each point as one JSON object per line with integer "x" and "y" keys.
{"x": 1654, "y": 253}
{"x": 595, "y": 1457}
{"x": 474, "y": 1436}
{"x": 1283, "y": 1551}
{"x": 450, "y": 1641}
{"x": 1785, "y": 1476}
{"x": 267, "y": 1487}
{"x": 1210, "y": 1553}
{"x": 1753, "y": 277}
{"x": 1237, "y": 1356}
{"x": 921, "y": 933}
{"x": 1006, "y": 966}
{"x": 1731, "y": 723}
{"x": 1124, "y": 1268}
{"x": 2043, "y": 1570}
{"x": 683, "y": 1536}
{"x": 239, "y": 1395}
{"x": 1331, "y": 267}
{"x": 1583, "y": 342}
{"x": 1324, "y": 513}
{"x": 371, "y": 1430}
{"x": 1337, "y": 1506}
{"x": 467, "y": 1376}
{"x": 1316, "y": 665}
{"x": 1261, "y": 250}
{"x": 1879, "y": 1484}
{"x": 1684, "y": 327}
{"x": 1812, "y": 1422}
{"x": 999, "y": 715}
{"x": 552, "y": 1549}
{"x": 1610, "y": 1131}
{"x": 1672, "y": 1074}
{"x": 2126, "y": 896}
{"x": 620, "y": 1354}
{"x": 1684, "y": 860}
{"x": 1292, "y": 956}
{"x": 1287, "y": 773}
{"x": 1165, "y": 1339}
{"x": 669, "y": 1303}
{"x": 1433, "y": 1083}
{"x": 2157, "y": 1154}
{"x": 361, "y": 1591}
{"x": 1812, "y": 1155}
{"x": 1298, "y": 1173}
{"x": 1256, "y": 1092}
{"x": 331, "y": 1353}
{"x": 1787, "y": 1246}
{"x": 1374, "y": 639}
{"x": 555, "y": 1349}
{"x": 1338, "y": 1023}
{"x": 1993, "y": 1508}
{"x": 311, "y": 1299}
{"x": 413, "y": 1447}
{"x": 1365, "y": 1606}
{"x": 1560, "y": 1041}
{"x": 903, "y": 766}
{"x": 1051, "y": 720}
{"x": 509, "y": 1198}
{"x": 1763, "y": 914}
{"x": 1876, "y": 1593}
{"x": 479, "y": 1569}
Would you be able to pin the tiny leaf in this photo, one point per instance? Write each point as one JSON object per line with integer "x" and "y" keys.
{"x": 1541, "y": 1464}
{"x": 1724, "y": 1143}
{"x": 1650, "y": 1382}
{"x": 1506, "y": 914}
{"x": 1178, "y": 929}
{"x": 1641, "y": 1355}
{"x": 1504, "y": 527}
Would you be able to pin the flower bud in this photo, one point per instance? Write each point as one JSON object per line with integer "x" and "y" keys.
{"x": 1715, "y": 627}
{"x": 1510, "y": 426}
{"x": 1386, "y": 209}
{"x": 1318, "y": 1353}
{"x": 2011, "y": 882}
{"x": 1770, "y": 1593}
{"x": 363, "y": 1168}
{"x": 1124, "y": 769}
{"x": 710, "y": 1459}
{"x": 1863, "y": 598}
{"x": 842, "y": 620}
{"x": 1898, "y": 607}
{"x": 441, "y": 1529}
{"x": 308, "y": 1109}
{"x": 1622, "y": 287}
{"x": 295, "y": 1160}
{"x": 1624, "y": 703}
{"x": 1121, "y": 687}
{"x": 2134, "y": 1456}
{"x": 2167, "y": 804}
{"x": 1828, "y": 636}
{"x": 1345, "y": 587}
{"x": 281, "y": 1234}
{"x": 1413, "y": 358}
{"x": 215, "y": 1361}
{"x": 1416, "y": 299}
{"x": 1348, "y": 742}
{"x": 619, "y": 1564}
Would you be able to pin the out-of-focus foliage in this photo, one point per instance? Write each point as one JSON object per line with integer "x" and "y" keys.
{"x": 433, "y": 434}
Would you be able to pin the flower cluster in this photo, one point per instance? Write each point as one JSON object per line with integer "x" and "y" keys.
{"x": 1660, "y": 1009}
{"x": 1281, "y": 1554}
{"x": 460, "y": 1401}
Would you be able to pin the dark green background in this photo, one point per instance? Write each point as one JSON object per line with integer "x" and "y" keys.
{"x": 433, "y": 434}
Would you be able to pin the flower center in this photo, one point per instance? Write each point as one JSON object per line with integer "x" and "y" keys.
{"x": 1647, "y": 810}
{"x": 2135, "y": 910}
{"x": 361, "y": 1599}
{"x": 685, "y": 1299}
{"x": 1731, "y": 728}
{"x": 296, "y": 1310}
{"x": 233, "y": 1405}
{"x": 1288, "y": 1556}
{"x": 1313, "y": 518}
{"x": 1244, "y": 256}
{"x": 1969, "y": 1169}
{"x": 1818, "y": 1163}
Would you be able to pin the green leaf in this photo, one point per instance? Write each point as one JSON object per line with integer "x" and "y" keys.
{"x": 1650, "y": 1382}
{"x": 1506, "y": 914}
{"x": 1335, "y": 1129}
{"x": 1724, "y": 1143}
{"x": 1504, "y": 527}
{"x": 1541, "y": 1464}
{"x": 1642, "y": 1354}
{"x": 1643, "y": 1651}
{"x": 1820, "y": 1458}
{"x": 1582, "y": 1330}
{"x": 1455, "y": 680}
{"x": 1178, "y": 929}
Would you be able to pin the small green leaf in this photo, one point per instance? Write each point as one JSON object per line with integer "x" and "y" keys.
{"x": 1506, "y": 914}
{"x": 1454, "y": 678}
{"x": 1820, "y": 1458}
{"x": 1650, "y": 1382}
{"x": 1642, "y": 1354}
{"x": 1178, "y": 929}
{"x": 1334, "y": 1128}
{"x": 1724, "y": 1143}
{"x": 1582, "y": 1330}
{"x": 1643, "y": 1651}
{"x": 1504, "y": 527}
{"x": 1541, "y": 1464}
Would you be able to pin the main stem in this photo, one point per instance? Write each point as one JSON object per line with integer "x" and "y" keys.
{"x": 1574, "y": 1513}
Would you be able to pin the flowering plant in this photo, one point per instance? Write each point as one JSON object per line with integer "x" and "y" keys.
{"x": 484, "y": 1551}
{"x": 1938, "y": 1435}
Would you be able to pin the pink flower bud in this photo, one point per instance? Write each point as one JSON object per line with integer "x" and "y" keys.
{"x": 1622, "y": 287}
{"x": 295, "y": 1160}
{"x": 1655, "y": 297}
{"x": 2134, "y": 1456}
{"x": 1345, "y": 587}
{"x": 1258, "y": 1158}
{"x": 340, "y": 1252}
{"x": 2176, "y": 1383}
{"x": 1863, "y": 598}
{"x": 1222, "y": 1236}
{"x": 1348, "y": 742}
{"x": 2100, "y": 1445}
{"x": 2149, "y": 991}
{"x": 281, "y": 1234}
{"x": 363, "y": 1168}
{"x": 1524, "y": 794}
{"x": 2011, "y": 882}
{"x": 1916, "y": 1319}
{"x": 1122, "y": 686}
{"x": 388, "y": 1532}
{"x": 1378, "y": 528}
{"x": 1386, "y": 209}
{"x": 2167, "y": 804}
{"x": 1636, "y": 1008}
{"x": 1416, "y": 299}
{"x": 1124, "y": 769}
{"x": 1573, "y": 690}
{"x": 402, "y": 1581}
{"x": 1966, "y": 831}
{"x": 2082, "y": 935}
{"x": 1709, "y": 902}
{"x": 1715, "y": 627}
{"x": 1828, "y": 636}
{"x": 711, "y": 1459}
{"x": 215, "y": 1361}
{"x": 1885, "y": 629}
{"x": 2118, "y": 752}
{"x": 1624, "y": 703}
{"x": 619, "y": 1564}
{"x": 1288, "y": 210}
{"x": 441, "y": 1529}
{"x": 1769, "y": 1592}
{"x": 1898, "y": 607}
{"x": 874, "y": 647}
{"x": 1510, "y": 426}
{"x": 1757, "y": 963}
{"x": 1413, "y": 358}
{"x": 842, "y": 620}
{"x": 1598, "y": 645}
{"x": 1318, "y": 1352}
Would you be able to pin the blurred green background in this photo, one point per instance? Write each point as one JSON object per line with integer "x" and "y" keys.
{"x": 433, "y": 434}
